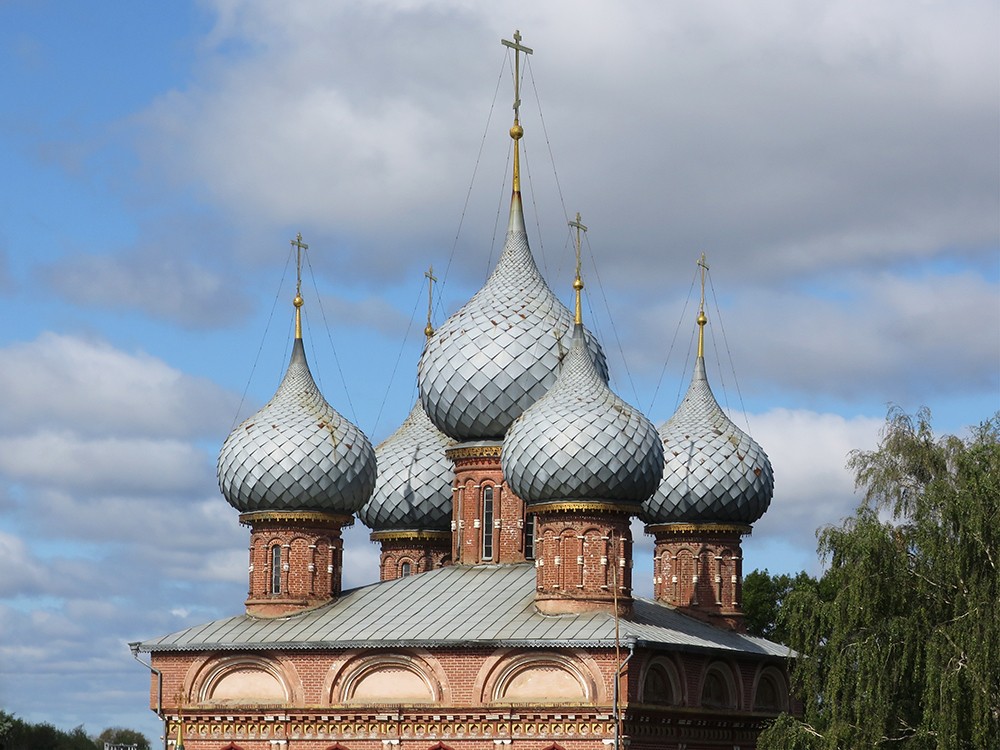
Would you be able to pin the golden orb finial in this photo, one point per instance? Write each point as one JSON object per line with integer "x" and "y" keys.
{"x": 516, "y": 131}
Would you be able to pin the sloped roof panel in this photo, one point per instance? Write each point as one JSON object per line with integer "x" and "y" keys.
{"x": 456, "y": 606}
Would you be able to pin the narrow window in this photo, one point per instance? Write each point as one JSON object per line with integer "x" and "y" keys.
{"x": 529, "y": 538}
{"x": 276, "y": 569}
{"x": 404, "y": 570}
{"x": 487, "y": 523}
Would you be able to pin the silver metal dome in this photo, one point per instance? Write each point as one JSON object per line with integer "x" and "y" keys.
{"x": 413, "y": 490}
{"x": 500, "y": 353}
{"x": 582, "y": 442}
{"x": 297, "y": 453}
{"x": 713, "y": 471}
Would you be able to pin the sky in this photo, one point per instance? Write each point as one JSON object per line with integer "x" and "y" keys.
{"x": 837, "y": 162}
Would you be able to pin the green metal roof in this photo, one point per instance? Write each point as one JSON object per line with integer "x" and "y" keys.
{"x": 458, "y": 605}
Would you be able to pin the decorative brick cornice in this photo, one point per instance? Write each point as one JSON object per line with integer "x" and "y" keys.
{"x": 467, "y": 451}
{"x": 406, "y": 536}
{"x": 699, "y": 528}
{"x": 583, "y": 506}
{"x": 304, "y": 517}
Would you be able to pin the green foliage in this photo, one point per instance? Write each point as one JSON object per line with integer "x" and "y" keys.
{"x": 121, "y": 736}
{"x": 899, "y": 642}
{"x": 763, "y": 597}
{"x": 20, "y": 735}
{"x": 16, "y": 734}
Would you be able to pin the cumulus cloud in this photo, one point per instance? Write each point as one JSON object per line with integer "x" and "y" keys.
{"x": 787, "y": 141}
{"x": 114, "y": 465}
{"x": 165, "y": 287}
{"x": 812, "y": 485}
{"x": 61, "y": 382}
{"x": 862, "y": 340}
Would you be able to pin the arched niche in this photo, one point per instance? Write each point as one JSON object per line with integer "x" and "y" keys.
{"x": 389, "y": 678}
{"x": 244, "y": 679}
{"x": 718, "y": 688}
{"x": 542, "y": 678}
{"x": 661, "y": 684}
{"x": 770, "y": 691}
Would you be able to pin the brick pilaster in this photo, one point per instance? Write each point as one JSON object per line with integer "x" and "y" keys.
{"x": 411, "y": 552}
{"x": 478, "y": 475}
{"x": 698, "y": 567}
{"x": 296, "y": 560}
{"x": 583, "y": 557}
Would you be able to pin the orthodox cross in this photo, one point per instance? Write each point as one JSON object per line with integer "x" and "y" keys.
{"x": 518, "y": 48}
{"x": 702, "y": 320}
{"x": 431, "y": 278}
{"x": 299, "y": 246}
{"x": 578, "y": 281}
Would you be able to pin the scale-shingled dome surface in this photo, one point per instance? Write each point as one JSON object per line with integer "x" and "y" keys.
{"x": 413, "y": 490}
{"x": 713, "y": 471}
{"x": 297, "y": 453}
{"x": 582, "y": 442}
{"x": 500, "y": 353}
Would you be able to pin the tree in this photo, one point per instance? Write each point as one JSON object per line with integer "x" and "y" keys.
{"x": 121, "y": 736}
{"x": 899, "y": 642}
{"x": 763, "y": 597}
{"x": 20, "y": 735}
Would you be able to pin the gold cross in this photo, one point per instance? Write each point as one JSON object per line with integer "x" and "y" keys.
{"x": 299, "y": 246}
{"x": 431, "y": 278}
{"x": 702, "y": 320}
{"x": 518, "y": 48}
{"x": 578, "y": 282}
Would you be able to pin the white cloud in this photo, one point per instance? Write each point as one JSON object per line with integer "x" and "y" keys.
{"x": 863, "y": 340}
{"x": 164, "y": 286}
{"x": 785, "y": 138}
{"x": 59, "y": 382}
{"x": 110, "y": 465}
{"x": 812, "y": 485}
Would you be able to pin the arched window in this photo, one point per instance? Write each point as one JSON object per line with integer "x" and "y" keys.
{"x": 769, "y": 695}
{"x": 529, "y": 538}
{"x": 405, "y": 570}
{"x": 659, "y": 687}
{"x": 716, "y": 691}
{"x": 488, "y": 523}
{"x": 276, "y": 569}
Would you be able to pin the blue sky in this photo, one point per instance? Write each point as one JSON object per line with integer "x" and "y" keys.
{"x": 837, "y": 161}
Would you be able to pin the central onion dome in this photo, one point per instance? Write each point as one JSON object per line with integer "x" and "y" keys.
{"x": 713, "y": 472}
{"x": 297, "y": 453}
{"x": 413, "y": 490}
{"x": 500, "y": 353}
{"x": 581, "y": 442}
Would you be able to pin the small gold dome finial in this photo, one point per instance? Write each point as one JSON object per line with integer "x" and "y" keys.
{"x": 578, "y": 281}
{"x": 702, "y": 319}
{"x": 299, "y": 246}
{"x": 516, "y": 131}
{"x": 431, "y": 278}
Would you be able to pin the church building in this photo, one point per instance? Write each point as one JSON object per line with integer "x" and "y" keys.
{"x": 502, "y": 505}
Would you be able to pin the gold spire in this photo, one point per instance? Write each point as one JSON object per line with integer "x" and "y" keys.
{"x": 578, "y": 281}
{"x": 431, "y": 278}
{"x": 702, "y": 320}
{"x": 516, "y": 131}
{"x": 299, "y": 246}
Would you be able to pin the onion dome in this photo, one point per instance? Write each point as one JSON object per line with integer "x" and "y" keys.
{"x": 713, "y": 472}
{"x": 500, "y": 353}
{"x": 581, "y": 442}
{"x": 413, "y": 490}
{"x": 297, "y": 453}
